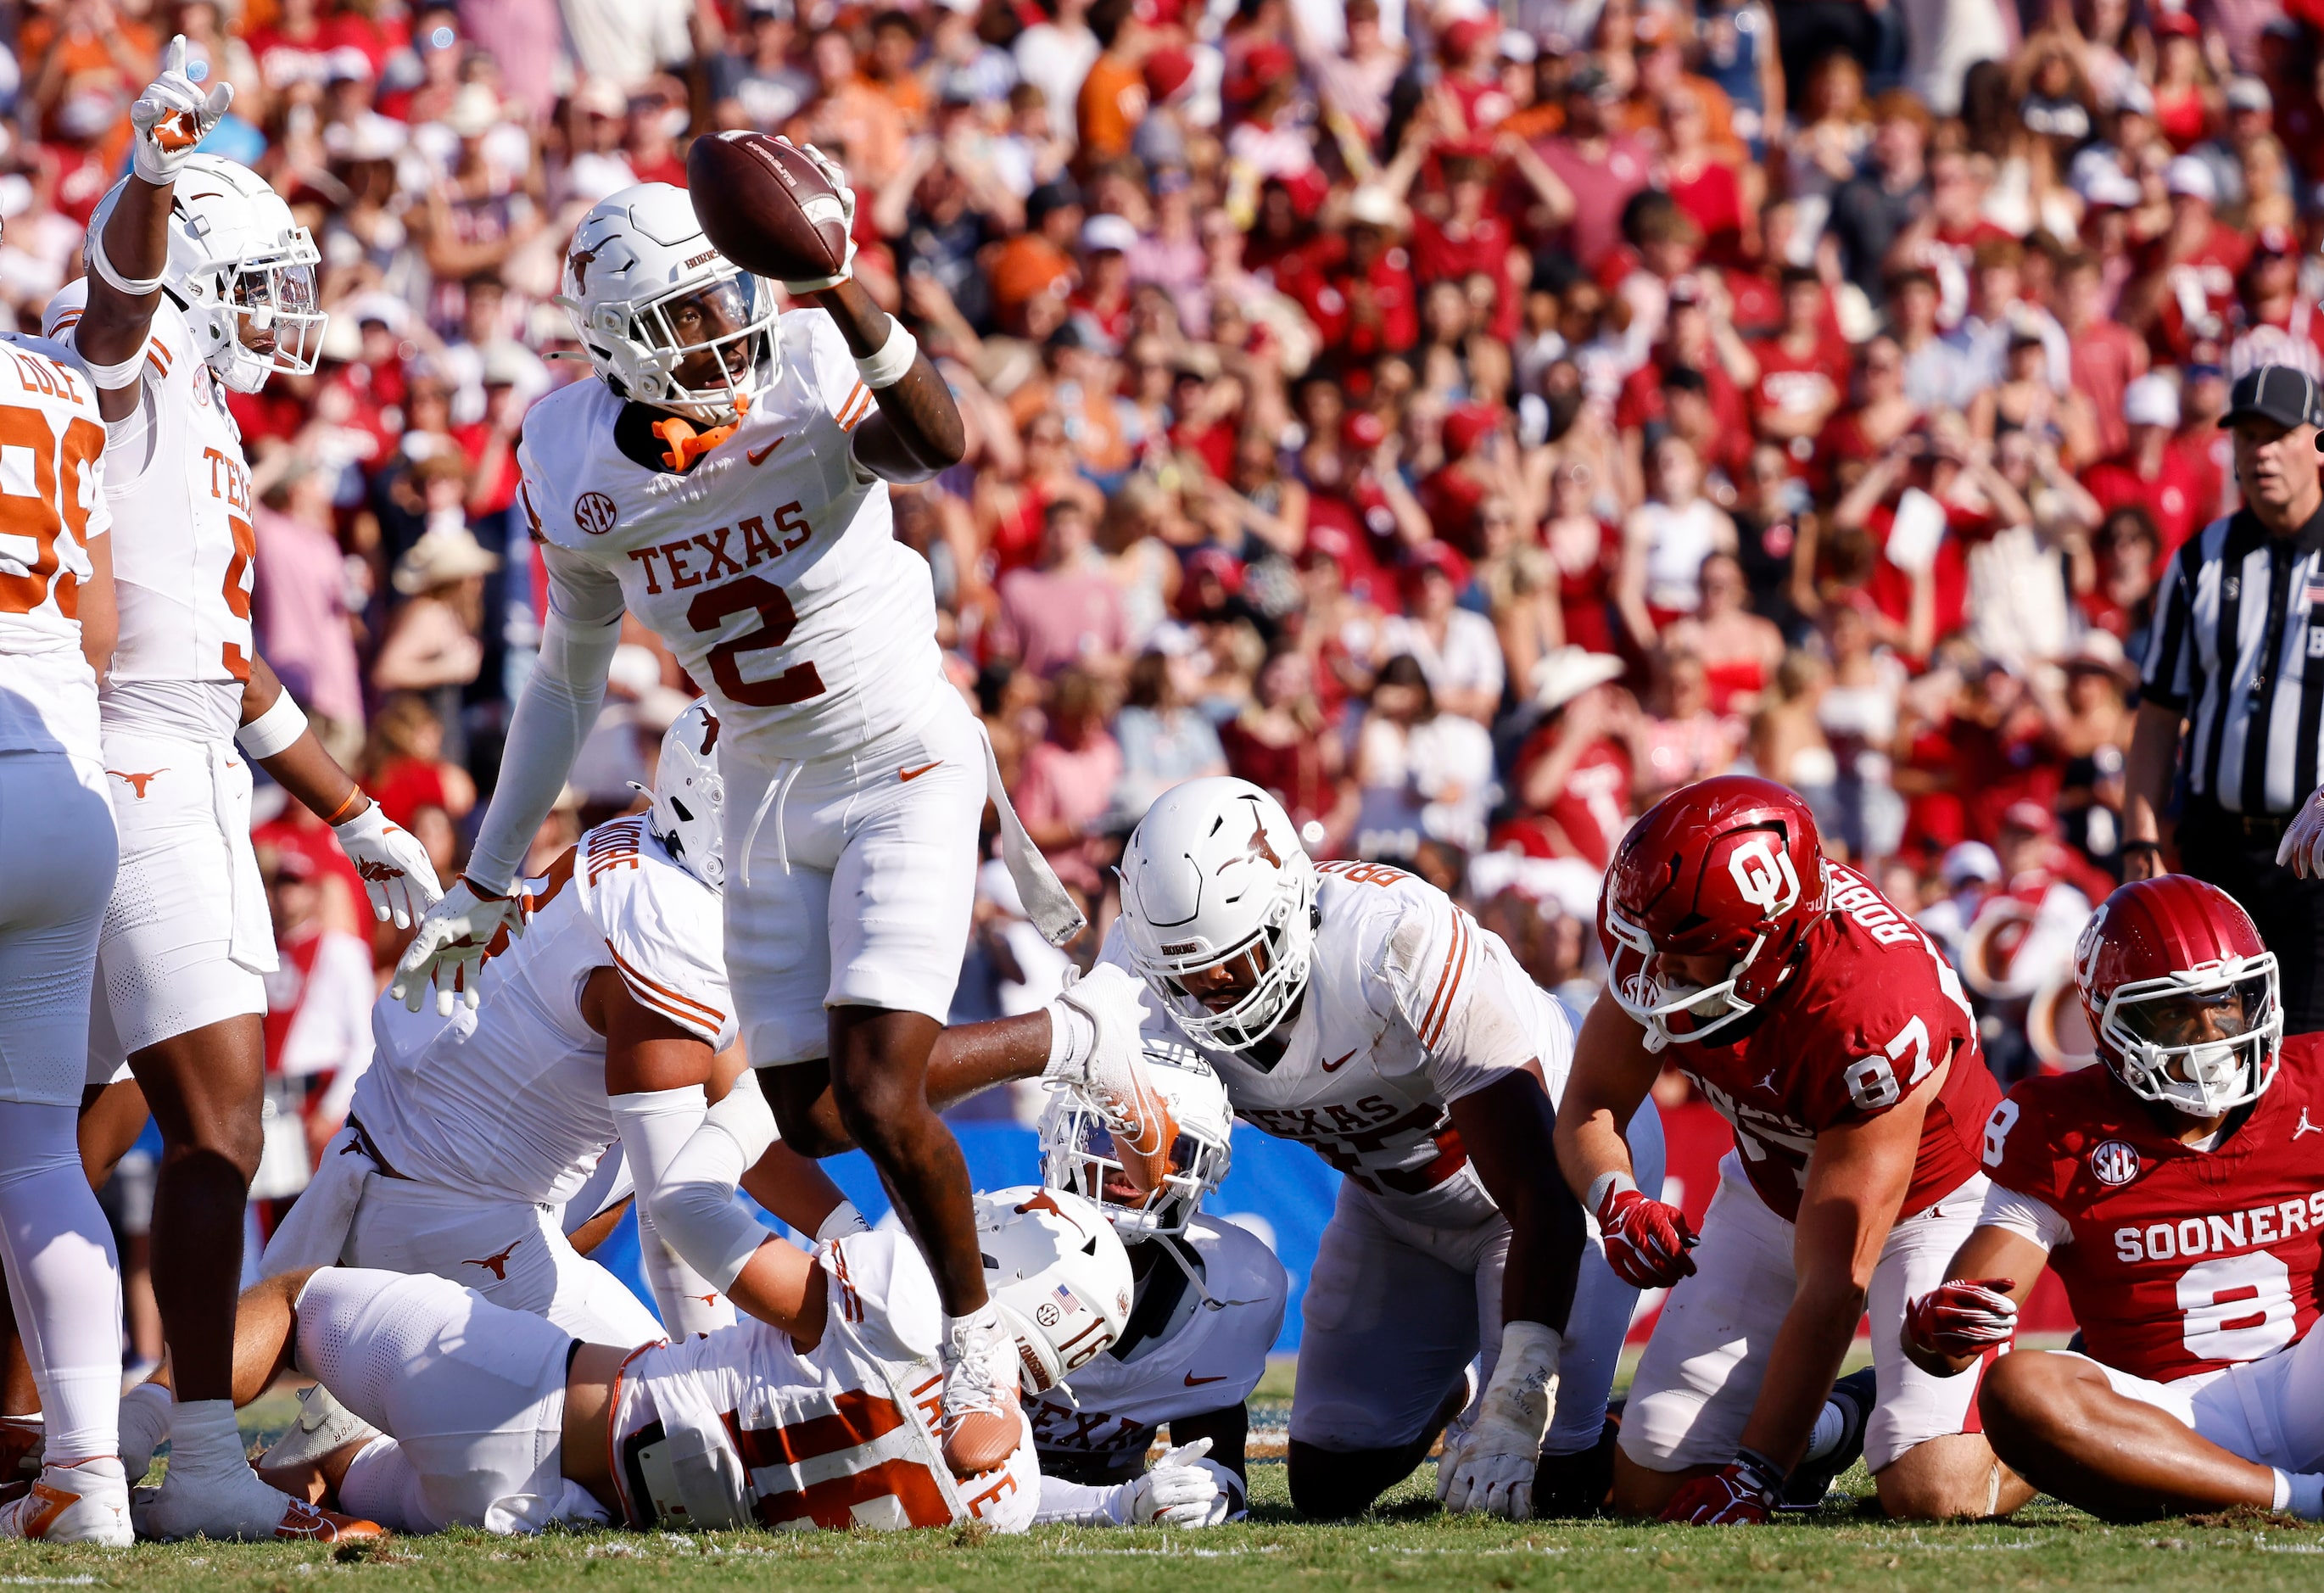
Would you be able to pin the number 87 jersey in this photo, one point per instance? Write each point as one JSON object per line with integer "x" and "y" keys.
{"x": 770, "y": 567}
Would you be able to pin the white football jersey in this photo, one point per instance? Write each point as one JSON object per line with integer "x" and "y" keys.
{"x": 770, "y": 569}
{"x": 52, "y": 505}
{"x": 1410, "y": 1004}
{"x": 508, "y": 1099}
{"x": 180, "y": 491}
{"x": 1196, "y": 1354}
{"x": 840, "y": 1435}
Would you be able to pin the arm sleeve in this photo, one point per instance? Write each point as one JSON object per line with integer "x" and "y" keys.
{"x": 1076, "y": 1504}
{"x": 2025, "y": 1216}
{"x": 553, "y": 717}
{"x": 692, "y": 1202}
{"x": 655, "y": 1127}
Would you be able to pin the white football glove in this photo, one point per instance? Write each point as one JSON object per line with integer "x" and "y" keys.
{"x": 1179, "y": 1492}
{"x": 2301, "y": 850}
{"x": 395, "y": 867}
{"x": 1109, "y": 1073}
{"x": 450, "y": 948}
{"x": 173, "y": 116}
{"x": 838, "y": 180}
{"x": 1492, "y": 1470}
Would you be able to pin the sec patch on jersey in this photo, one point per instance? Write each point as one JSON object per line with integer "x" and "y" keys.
{"x": 767, "y": 207}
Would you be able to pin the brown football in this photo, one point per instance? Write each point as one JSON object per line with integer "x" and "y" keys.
{"x": 766, "y": 206}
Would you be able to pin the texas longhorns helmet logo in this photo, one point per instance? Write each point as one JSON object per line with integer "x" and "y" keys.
{"x": 1041, "y": 1202}
{"x": 496, "y": 1264}
{"x": 581, "y": 260}
{"x": 137, "y": 782}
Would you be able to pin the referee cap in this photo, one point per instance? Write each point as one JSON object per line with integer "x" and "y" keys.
{"x": 2281, "y": 393}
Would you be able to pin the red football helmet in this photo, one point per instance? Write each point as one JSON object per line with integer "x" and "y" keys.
{"x": 2157, "y": 959}
{"x": 1731, "y": 868}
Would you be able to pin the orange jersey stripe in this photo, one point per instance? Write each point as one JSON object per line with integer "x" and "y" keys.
{"x": 655, "y": 994}
{"x": 1448, "y": 982}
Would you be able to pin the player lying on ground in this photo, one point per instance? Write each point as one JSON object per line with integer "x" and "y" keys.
{"x": 2170, "y": 1190}
{"x": 724, "y": 481}
{"x": 1835, "y": 1040}
{"x": 1358, "y": 1011}
{"x": 199, "y": 280}
{"x": 820, "y": 1409}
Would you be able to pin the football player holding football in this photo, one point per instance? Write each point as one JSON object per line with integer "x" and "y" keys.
{"x": 199, "y": 281}
{"x": 725, "y": 483}
{"x": 1835, "y": 1039}
{"x": 2170, "y": 1190}
{"x": 819, "y": 1410}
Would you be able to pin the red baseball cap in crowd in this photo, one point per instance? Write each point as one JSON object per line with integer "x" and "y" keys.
{"x": 2170, "y": 25}
{"x": 1363, "y": 429}
{"x": 2030, "y": 817}
{"x": 1465, "y": 37}
{"x": 1466, "y": 425}
{"x": 1166, "y": 72}
{"x": 1437, "y": 558}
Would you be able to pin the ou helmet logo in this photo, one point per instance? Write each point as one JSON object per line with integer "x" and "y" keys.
{"x": 1763, "y": 875}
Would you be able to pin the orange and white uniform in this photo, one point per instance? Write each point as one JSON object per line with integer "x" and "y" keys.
{"x": 187, "y": 935}
{"x": 469, "y": 1134}
{"x": 56, "y": 824}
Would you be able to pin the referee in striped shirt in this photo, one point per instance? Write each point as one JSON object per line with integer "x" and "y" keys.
{"x": 2233, "y": 686}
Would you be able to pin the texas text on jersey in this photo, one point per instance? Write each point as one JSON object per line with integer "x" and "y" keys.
{"x": 182, "y": 554}
{"x": 1871, "y": 1011}
{"x": 1410, "y": 1005}
{"x": 770, "y": 566}
{"x": 842, "y": 1435}
{"x": 508, "y": 1099}
{"x": 2177, "y": 1260}
{"x": 1187, "y": 1349}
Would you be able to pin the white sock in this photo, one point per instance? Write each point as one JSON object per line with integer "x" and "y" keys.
{"x": 2301, "y": 1493}
{"x": 1830, "y": 1426}
{"x": 62, "y": 1279}
{"x": 145, "y": 1423}
{"x": 203, "y": 1438}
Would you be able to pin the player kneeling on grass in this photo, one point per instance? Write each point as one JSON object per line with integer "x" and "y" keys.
{"x": 2171, "y": 1191}
{"x": 1207, "y": 1306}
{"x": 821, "y": 1410}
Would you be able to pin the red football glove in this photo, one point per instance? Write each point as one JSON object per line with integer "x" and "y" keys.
{"x": 1741, "y": 1493}
{"x": 1964, "y": 1317}
{"x": 1647, "y": 1241}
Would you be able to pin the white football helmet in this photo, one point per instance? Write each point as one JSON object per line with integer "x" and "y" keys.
{"x": 1214, "y": 873}
{"x": 637, "y": 267}
{"x": 238, "y": 256}
{"x": 1058, "y": 1276}
{"x": 1078, "y": 1151}
{"x": 688, "y": 795}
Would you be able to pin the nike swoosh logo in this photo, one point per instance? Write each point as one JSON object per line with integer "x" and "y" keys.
{"x": 913, "y": 774}
{"x": 1333, "y": 1067}
{"x": 1195, "y": 1382}
{"x": 755, "y": 455}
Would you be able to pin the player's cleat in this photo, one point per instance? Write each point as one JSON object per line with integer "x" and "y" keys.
{"x": 83, "y": 1504}
{"x": 239, "y": 1506}
{"x": 1575, "y": 1485}
{"x": 981, "y": 1425}
{"x": 323, "y": 1426}
{"x": 1810, "y": 1479}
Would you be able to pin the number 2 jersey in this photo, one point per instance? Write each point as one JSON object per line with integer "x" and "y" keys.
{"x": 507, "y": 1100}
{"x": 179, "y": 491}
{"x": 771, "y": 567}
{"x": 1410, "y": 1005}
{"x": 51, "y": 507}
{"x": 2176, "y": 1260}
{"x": 742, "y": 1426}
{"x": 1869, "y": 1017}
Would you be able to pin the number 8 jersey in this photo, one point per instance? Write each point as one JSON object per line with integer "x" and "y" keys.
{"x": 182, "y": 547}
{"x": 2177, "y": 1260}
{"x": 770, "y": 566}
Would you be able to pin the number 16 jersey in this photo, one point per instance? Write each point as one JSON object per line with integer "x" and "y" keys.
{"x": 771, "y": 567}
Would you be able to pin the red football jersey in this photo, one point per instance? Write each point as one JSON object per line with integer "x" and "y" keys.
{"x": 2181, "y": 1260}
{"x": 1871, "y": 1014}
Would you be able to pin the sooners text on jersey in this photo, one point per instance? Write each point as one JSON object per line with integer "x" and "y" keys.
{"x": 771, "y": 568}
{"x": 2181, "y": 1260}
{"x": 1871, "y": 1012}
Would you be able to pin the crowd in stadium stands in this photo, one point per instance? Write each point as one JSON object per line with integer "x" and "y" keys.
{"x": 1468, "y": 425}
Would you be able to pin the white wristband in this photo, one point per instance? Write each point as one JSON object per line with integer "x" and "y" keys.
{"x": 844, "y": 1219}
{"x": 1605, "y": 1184}
{"x": 892, "y": 360}
{"x": 135, "y": 287}
{"x": 275, "y": 731}
{"x": 129, "y": 372}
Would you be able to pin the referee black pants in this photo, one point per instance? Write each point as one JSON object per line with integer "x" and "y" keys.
{"x": 2237, "y": 854}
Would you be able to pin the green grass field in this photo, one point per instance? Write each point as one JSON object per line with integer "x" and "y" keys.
{"x": 1406, "y": 1544}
